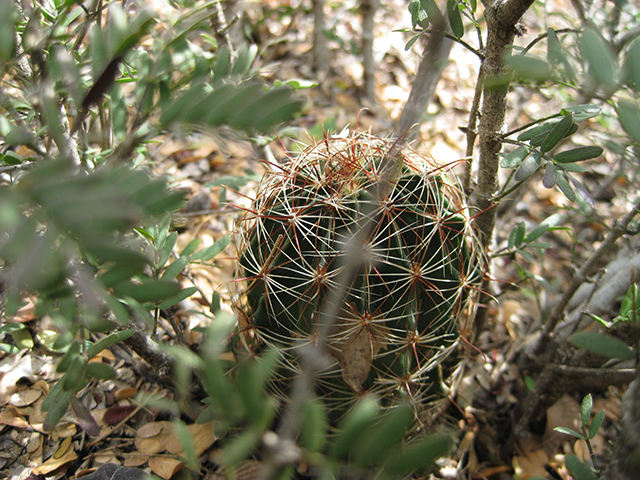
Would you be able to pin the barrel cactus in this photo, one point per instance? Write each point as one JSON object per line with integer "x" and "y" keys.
{"x": 400, "y": 315}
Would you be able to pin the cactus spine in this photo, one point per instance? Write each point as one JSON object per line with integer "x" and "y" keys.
{"x": 400, "y": 314}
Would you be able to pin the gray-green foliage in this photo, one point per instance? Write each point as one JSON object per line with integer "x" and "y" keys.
{"x": 368, "y": 439}
{"x": 84, "y": 226}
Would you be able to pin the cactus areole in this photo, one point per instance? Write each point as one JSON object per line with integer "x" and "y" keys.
{"x": 401, "y": 313}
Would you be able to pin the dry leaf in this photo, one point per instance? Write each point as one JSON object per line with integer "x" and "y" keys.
{"x": 531, "y": 459}
{"x": 134, "y": 459}
{"x": 202, "y": 436}
{"x": 125, "y": 393}
{"x": 151, "y": 429}
{"x": 165, "y": 467}
{"x": 12, "y": 417}
{"x": 55, "y": 463}
{"x": 149, "y": 446}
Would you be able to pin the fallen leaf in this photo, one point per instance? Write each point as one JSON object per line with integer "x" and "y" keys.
{"x": 151, "y": 429}
{"x": 55, "y": 463}
{"x": 125, "y": 393}
{"x": 149, "y": 446}
{"x": 12, "y": 417}
{"x": 165, "y": 466}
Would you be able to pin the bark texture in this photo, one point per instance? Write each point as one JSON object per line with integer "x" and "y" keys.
{"x": 625, "y": 458}
{"x": 434, "y": 60}
{"x": 368, "y": 10}
{"x": 502, "y": 18}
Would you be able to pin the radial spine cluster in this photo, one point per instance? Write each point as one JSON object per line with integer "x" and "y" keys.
{"x": 417, "y": 269}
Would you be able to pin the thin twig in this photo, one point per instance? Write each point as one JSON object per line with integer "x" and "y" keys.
{"x": 619, "y": 228}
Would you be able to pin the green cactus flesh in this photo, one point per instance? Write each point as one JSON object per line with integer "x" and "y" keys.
{"x": 400, "y": 314}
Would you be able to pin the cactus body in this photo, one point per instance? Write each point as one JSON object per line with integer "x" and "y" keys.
{"x": 397, "y": 317}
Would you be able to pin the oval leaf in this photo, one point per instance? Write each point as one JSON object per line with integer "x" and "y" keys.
{"x": 584, "y": 111}
{"x": 565, "y": 187}
{"x": 549, "y": 179}
{"x": 581, "y": 471}
{"x": 557, "y": 133}
{"x": 517, "y": 235}
{"x": 455, "y": 19}
{"x": 101, "y": 371}
{"x": 632, "y": 66}
{"x": 535, "y": 131}
{"x": 585, "y": 409}
{"x": 629, "y": 117}
{"x": 595, "y": 424}
{"x": 420, "y": 454}
{"x": 582, "y": 190}
{"x": 529, "y": 68}
{"x": 601, "y": 59}
{"x": 107, "y": 341}
{"x": 602, "y": 344}
{"x": 549, "y": 222}
{"x": 515, "y": 158}
{"x": 578, "y": 154}
{"x": 528, "y": 168}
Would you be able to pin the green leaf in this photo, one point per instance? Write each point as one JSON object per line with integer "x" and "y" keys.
{"x": 418, "y": 15}
{"x": 173, "y": 270}
{"x": 245, "y": 58}
{"x": 554, "y": 49}
{"x": 187, "y": 442}
{"x": 578, "y": 154}
{"x": 22, "y": 338}
{"x": 421, "y": 453}
{"x": 529, "y": 167}
{"x": 595, "y": 424}
{"x": 314, "y": 425}
{"x": 565, "y": 187}
{"x": 101, "y": 371}
{"x": 582, "y": 190}
{"x": 585, "y": 409}
{"x": 353, "y": 426}
{"x": 572, "y": 167}
{"x": 165, "y": 249}
{"x": 514, "y": 159}
{"x": 632, "y": 65}
{"x": 549, "y": 179}
{"x": 73, "y": 380}
{"x": 190, "y": 248}
{"x": 433, "y": 12}
{"x": 600, "y": 58}
{"x": 517, "y": 235}
{"x": 185, "y": 293}
{"x": 374, "y": 446}
{"x": 629, "y": 118}
{"x": 527, "y": 67}
{"x": 455, "y": 18}
{"x": 69, "y": 357}
{"x": 569, "y": 431}
{"x": 629, "y": 299}
{"x": 208, "y": 253}
{"x": 534, "y": 131}
{"x": 8, "y": 18}
{"x": 584, "y": 111}
{"x": 548, "y": 223}
{"x": 530, "y": 383}
{"x": 579, "y": 470}
{"x": 153, "y": 291}
{"x": 109, "y": 340}
{"x": 411, "y": 41}
{"x": 557, "y": 133}
{"x": 602, "y": 344}
{"x": 58, "y": 407}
